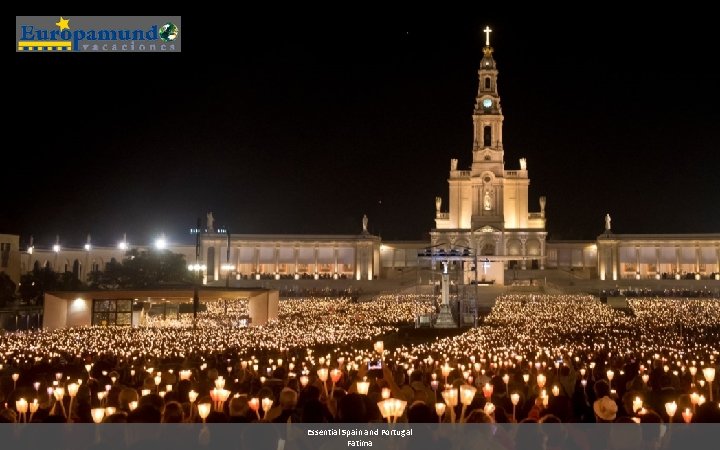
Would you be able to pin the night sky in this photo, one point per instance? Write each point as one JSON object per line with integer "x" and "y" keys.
{"x": 283, "y": 125}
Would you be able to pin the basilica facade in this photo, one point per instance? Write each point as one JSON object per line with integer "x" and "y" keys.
{"x": 488, "y": 211}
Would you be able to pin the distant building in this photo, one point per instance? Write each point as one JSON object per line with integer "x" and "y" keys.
{"x": 658, "y": 256}
{"x": 251, "y": 257}
{"x": 486, "y": 229}
{"x": 10, "y": 256}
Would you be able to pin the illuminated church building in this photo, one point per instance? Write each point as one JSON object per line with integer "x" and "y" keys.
{"x": 488, "y": 205}
{"x": 486, "y": 224}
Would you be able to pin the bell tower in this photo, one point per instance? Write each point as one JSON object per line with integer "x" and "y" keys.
{"x": 488, "y": 209}
{"x": 488, "y": 151}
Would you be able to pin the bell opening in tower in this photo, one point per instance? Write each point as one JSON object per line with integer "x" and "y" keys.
{"x": 487, "y": 136}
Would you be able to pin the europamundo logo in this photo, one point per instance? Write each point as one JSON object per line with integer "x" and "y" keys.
{"x": 108, "y": 34}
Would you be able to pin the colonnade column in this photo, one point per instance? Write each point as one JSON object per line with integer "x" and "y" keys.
{"x": 257, "y": 260}
{"x": 335, "y": 257}
{"x": 216, "y": 260}
{"x": 277, "y": 257}
{"x": 296, "y": 251}
{"x": 317, "y": 250}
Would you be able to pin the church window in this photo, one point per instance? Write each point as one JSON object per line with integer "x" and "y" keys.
{"x": 487, "y": 136}
{"x": 487, "y": 82}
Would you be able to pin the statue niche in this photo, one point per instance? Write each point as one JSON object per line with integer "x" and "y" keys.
{"x": 487, "y": 200}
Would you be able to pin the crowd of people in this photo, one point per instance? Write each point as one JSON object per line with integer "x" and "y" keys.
{"x": 535, "y": 358}
{"x": 668, "y": 292}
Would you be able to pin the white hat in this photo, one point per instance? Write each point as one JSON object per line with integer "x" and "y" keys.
{"x": 605, "y": 409}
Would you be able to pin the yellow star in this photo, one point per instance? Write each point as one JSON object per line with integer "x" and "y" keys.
{"x": 64, "y": 24}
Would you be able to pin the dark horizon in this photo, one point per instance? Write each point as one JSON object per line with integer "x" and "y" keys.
{"x": 303, "y": 128}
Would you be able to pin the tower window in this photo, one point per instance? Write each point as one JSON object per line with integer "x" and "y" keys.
{"x": 487, "y": 82}
{"x": 487, "y": 136}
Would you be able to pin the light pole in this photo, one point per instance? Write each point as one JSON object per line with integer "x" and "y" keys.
{"x": 196, "y": 267}
{"x": 477, "y": 301}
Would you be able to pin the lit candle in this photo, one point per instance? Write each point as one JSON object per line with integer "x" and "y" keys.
{"x": 467, "y": 394}
{"x": 489, "y": 408}
{"x": 541, "y": 380}
{"x": 379, "y": 347}
{"x": 21, "y": 406}
{"x": 446, "y": 369}
{"x": 97, "y": 414}
{"x": 203, "y": 410}
{"x": 440, "y": 410}
{"x": 487, "y": 391}
{"x": 363, "y": 386}
{"x": 637, "y": 404}
{"x": 694, "y": 399}
{"x": 335, "y": 375}
{"x": 687, "y": 415}
{"x": 451, "y": 397}
{"x": 254, "y": 404}
{"x": 322, "y": 374}
{"x": 709, "y": 374}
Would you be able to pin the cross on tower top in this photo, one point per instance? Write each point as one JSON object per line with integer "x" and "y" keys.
{"x": 487, "y": 32}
